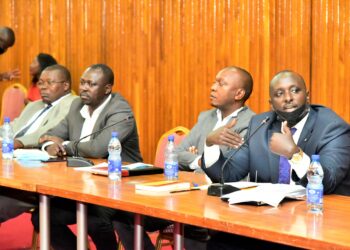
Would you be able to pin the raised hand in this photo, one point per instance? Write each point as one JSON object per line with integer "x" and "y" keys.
{"x": 225, "y": 136}
{"x": 282, "y": 143}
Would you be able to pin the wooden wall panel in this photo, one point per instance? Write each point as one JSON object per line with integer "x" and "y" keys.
{"x": 166, "y": 53}
{"x": 331, "y": 55}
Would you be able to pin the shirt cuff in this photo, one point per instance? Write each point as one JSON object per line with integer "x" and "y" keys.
{"x": 211, "y": 154}
{"x": 301, "y": 167}
{"x": 194, "y": 165}
{"x": 46, "y": 144}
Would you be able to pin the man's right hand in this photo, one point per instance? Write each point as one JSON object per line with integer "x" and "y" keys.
{"x": 56, "y": 149}
{"x": 225, "y": 136}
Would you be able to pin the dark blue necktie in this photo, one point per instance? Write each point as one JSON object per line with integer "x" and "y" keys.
{"x": 284, "y": 167}
{"x": 25, "y": 129}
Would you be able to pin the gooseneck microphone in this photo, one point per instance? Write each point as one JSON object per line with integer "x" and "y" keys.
{"x": 219, "y": 189}
{"x": 77, "y": 161}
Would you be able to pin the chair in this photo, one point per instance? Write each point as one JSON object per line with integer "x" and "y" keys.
{"x": 12, "y": 101}
{"x": 179, "y": 134}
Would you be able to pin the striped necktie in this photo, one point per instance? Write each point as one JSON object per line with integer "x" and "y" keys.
{"x": 25, "y": 129}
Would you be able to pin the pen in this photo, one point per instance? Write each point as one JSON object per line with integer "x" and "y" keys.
{"x": 185, "y": 190}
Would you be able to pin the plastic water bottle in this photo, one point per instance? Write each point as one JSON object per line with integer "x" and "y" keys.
{"x": 171, "y": 165}
{"x": 114, "y": 158}
{"x": 314, "y": 188}
{"x": 7, "y": 139}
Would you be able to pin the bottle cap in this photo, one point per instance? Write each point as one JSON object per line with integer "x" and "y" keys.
{"x": 7, "y": 119}
{"x": 114, "y": 134}
{"x": 315, "y": 157}
{"x": 171, "y": 138}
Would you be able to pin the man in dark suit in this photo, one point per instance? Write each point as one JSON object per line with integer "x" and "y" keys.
{"x": 318, "y": 130}
{"x": 7, "y": 40}
{"x": 96, "y": 108}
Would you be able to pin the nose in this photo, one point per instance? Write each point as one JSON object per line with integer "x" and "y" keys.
{"x": 288, "y": 97}
{"x": 214, "y": 86}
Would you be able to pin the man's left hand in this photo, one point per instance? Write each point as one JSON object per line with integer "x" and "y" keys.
{"x": 282, "y": 143}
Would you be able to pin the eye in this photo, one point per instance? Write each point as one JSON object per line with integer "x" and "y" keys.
{"x": 278, "y": 93}
{"x": 295, "y": 90}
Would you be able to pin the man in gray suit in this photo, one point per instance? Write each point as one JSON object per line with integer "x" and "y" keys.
{"x": 96, "y": 109}
{"x": 225, "y": 125}
{"x": 40, "y": 116}
{"x": 37, "y": 118}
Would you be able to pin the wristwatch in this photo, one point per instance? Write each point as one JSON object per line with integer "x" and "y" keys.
{"x": 297, "y": 157}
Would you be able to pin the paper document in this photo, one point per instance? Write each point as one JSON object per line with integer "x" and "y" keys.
{"x": 266, "y": 193}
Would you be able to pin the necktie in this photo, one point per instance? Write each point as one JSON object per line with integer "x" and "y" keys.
{"x": 25, "y": 129}
{"x": 284, "y": 167}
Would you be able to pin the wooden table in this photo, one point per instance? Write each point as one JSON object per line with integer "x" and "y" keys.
{"x": 288, "y": 224}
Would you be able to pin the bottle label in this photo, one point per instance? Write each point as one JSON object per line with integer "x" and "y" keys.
{"x": 114, "y": 165}
{"x": 171, "y": 169}
{"x": 7, "y": 147}
{"x": 315, "y": 195}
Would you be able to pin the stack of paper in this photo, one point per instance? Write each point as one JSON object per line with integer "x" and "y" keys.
{"x": 266, "y": 193}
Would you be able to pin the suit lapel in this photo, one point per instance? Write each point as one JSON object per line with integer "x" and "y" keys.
{"x": 307, "y": 130}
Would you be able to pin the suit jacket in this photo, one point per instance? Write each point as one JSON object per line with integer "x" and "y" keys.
{"x": 205, "y": 124}
{"x": 52, "y": 118}
{"x": 324, "y": 133}
{"x": 116, "y": 110}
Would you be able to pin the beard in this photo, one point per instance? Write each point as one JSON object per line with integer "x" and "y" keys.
{"x": 293, "y": 117}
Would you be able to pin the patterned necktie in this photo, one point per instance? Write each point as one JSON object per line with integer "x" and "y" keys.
{"x": 25, "y": 129}
{"x": 284, "y": 167}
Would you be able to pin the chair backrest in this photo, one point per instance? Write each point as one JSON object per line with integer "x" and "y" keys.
{"x": 12, "y": 101}
{"x": 179, "y": 134}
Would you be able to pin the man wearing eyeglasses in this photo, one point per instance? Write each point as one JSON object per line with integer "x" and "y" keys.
{"x": 7, "y": 40}
{"x": 37, "y": 117}
{"x": 40, "y": 116}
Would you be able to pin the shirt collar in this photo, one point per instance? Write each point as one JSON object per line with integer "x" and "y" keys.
{"x": 233, "y": 114}
{"x": 58, "y": 100}
{"x": 84, "y": 111}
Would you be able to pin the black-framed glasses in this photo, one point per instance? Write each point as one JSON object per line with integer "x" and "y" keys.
{"x": 48, "y": 82}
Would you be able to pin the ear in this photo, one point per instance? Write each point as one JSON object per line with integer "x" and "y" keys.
{"x": 271, "y": 106}
{"x": 308, "y": 97}
{"x": 239, "y": 94}
{"x": 66, "y": 86}
{"x": 108, "y": 88}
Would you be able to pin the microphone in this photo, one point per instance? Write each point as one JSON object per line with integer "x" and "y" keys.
{"x": 219, "y": 189}
{"x": 77, "y": 161}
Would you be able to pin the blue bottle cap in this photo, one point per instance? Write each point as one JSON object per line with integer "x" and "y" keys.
{"x": 315, "y": 157}
{"x": 114, "y": 134}
{"x": 171, "y": 138}
{"x": 7, "y": 119}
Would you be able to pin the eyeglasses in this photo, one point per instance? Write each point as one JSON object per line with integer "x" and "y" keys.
{"x": 48, "y": 82}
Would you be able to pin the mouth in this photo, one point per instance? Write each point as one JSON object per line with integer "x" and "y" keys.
{"x": 289, "y": 108}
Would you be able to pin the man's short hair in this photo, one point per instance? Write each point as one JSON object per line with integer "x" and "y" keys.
{"x": 287, "y": 74}
{"x": 107, "y": 72}
{"x": 9, "y": 34}
{"x": 63, "y": 71}
{"x": 247, "y": 80}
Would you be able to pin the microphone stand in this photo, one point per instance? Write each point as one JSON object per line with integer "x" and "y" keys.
{"x": 76, "y": 160}
{"x": 219, "y": 189}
